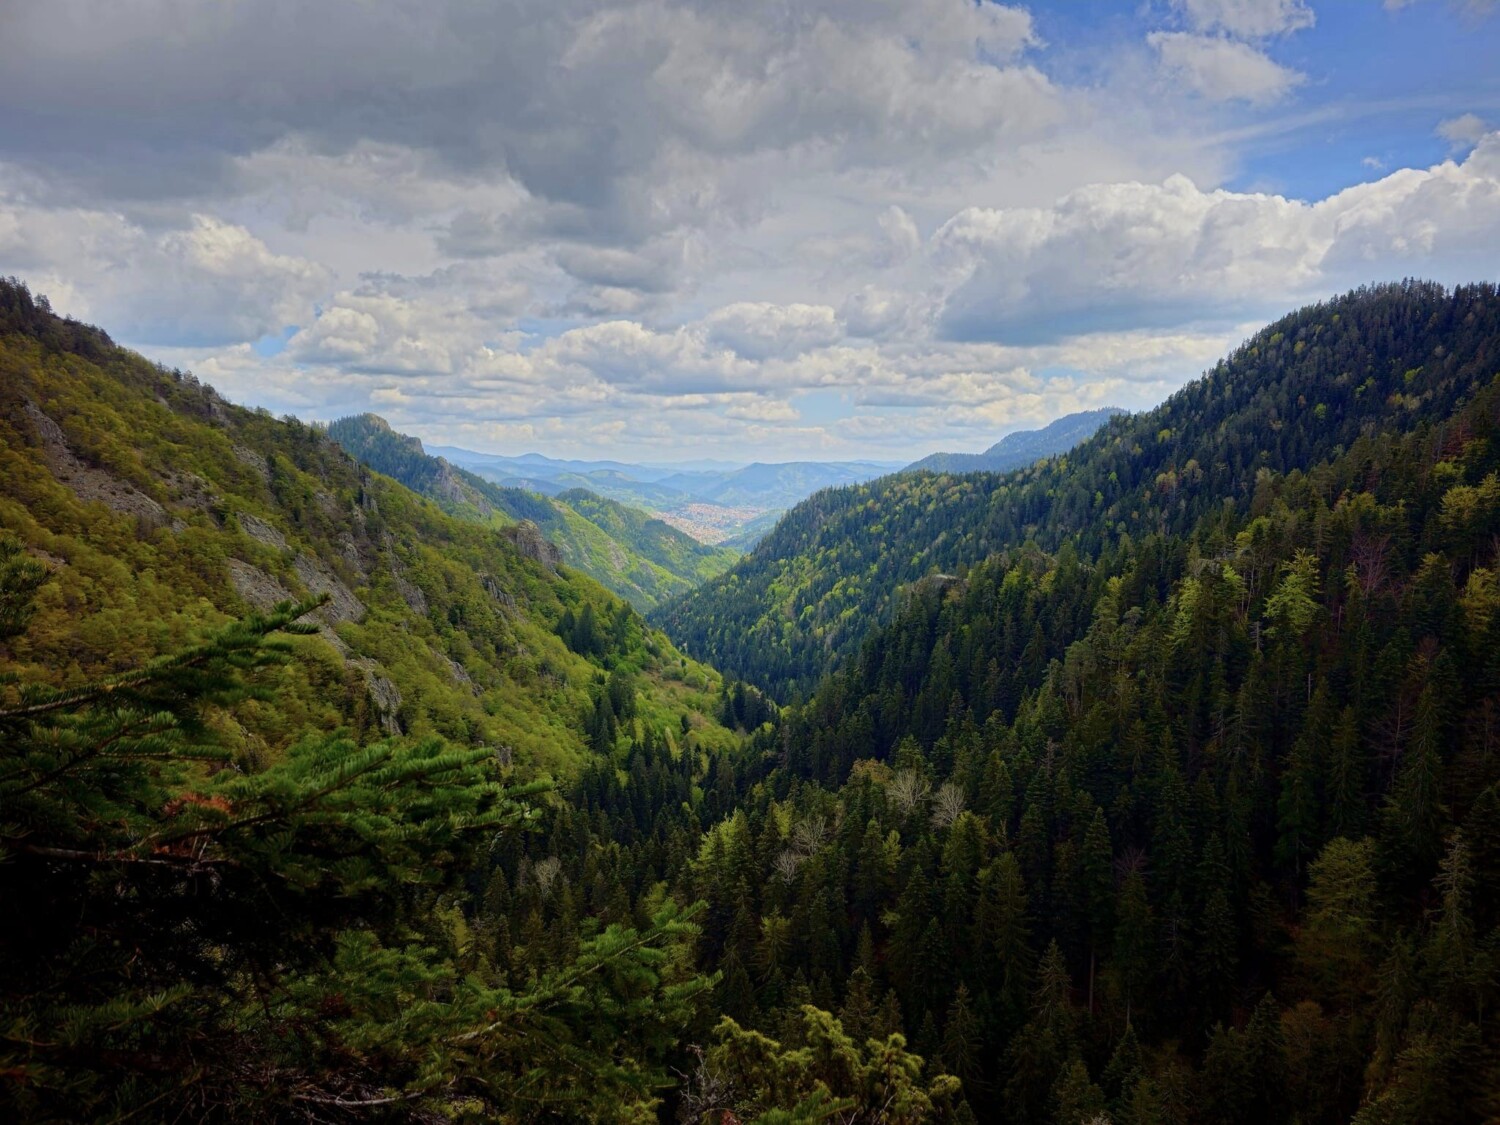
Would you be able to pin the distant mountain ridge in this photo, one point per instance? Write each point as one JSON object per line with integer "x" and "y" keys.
{"x": 1017, "y": 450}
{"x": 626, "y": 550}
{"x": 163, "y": 510}
{"x": 1376, "y": 360}
{"x": 712, "y": 501}
{"x": 775, "y": 484}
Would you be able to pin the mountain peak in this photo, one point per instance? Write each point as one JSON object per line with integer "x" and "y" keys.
{"x": 1019, "y": 449}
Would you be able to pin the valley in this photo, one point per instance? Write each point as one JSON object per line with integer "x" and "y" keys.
{"x": 1152, "y": 781}
{"x": 714, "y": 523}
{"x": 849, "y": 562}
{"x": 714, "y": 504}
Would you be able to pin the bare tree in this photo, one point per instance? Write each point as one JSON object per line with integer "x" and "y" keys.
{"x": 1368, "y": 552}
{"x": 808, "y": 834}
{"x": 908, "y": 789}
{"x": 705, "y": 1091}
{"x": 947, "y": 803}
{"x": 545, "y": 873}
{"x": 787, "y": 863}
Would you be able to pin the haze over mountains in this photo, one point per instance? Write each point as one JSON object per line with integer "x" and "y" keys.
{"x": 735, "y": 504}
{"x": 1019, "y": 449}
{"x": 625, "y": 549}
{"x": 1119, "y": 783}
{"x": 712, "y": 502}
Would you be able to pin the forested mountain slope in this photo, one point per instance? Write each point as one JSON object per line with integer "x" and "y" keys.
{"x": 253, "y": 867}
{"x": 1017, "y": 450}
{"x": 1377, "y": 359}
{"x": 162, "y": 509}
{"x": 626, "y": 550}
{"x": 659, "y": 543}
{"x": 1183, "y": 807}
{"x": 1196, "y": 826}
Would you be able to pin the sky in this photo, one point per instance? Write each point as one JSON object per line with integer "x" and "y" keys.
{"x": 774, "y": 230}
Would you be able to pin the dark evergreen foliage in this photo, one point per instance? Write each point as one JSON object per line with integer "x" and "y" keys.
{"x": 1172, "y": 796}
{"x": 1383, "y": 359}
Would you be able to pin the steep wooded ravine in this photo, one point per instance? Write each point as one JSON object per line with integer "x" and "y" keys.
{"x": 626, "y": 550}
{"x": 161, "y": 509}
{"x": 1180, "y": 806}
{"x": 1382, "y": 358}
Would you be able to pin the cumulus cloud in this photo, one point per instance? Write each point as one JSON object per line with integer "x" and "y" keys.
{"x": 206, "y": 282}
{"x": 760, "y": 330}
{"x": 624, "y": 353}
{"x": 877, "y": 312}
{"x": 1223, "y": 69}
{"x": 1115, "y": 254}
{"x": 592, "y": 223}
{"x": 577, "y": 103}
{"x": 1249, "y": 19}
{"x": 1463, "y": 131}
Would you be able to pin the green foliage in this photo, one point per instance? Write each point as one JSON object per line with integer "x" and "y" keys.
{"x": 820, "y": 1074}
{"x": 627, "y": 551}
{"x": 235, "y": 900}
{"x": 1232, "y": 752}
{"x": 189, "y": 939}
{"x": 163, "y": 511}
{"x": 836, "y": 565}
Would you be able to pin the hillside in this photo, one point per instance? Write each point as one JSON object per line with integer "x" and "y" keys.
{"x": 1382, "y": 358}
{"x": 162, "y": 510}
{"x": 659, "y": 543}
{"x": 1191, "y": 826}
{"x": 712, "y": 502}
{"x": 1180, "y": 805}
{"x": 1017, "y": 450}
{"x": 627, "y": 551}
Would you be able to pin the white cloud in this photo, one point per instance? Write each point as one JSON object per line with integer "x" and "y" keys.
{"x": 762, "y": 410}
{"x": 1148, "y": 253}
{"x": 1248, "y": 19}
{"x": 626, "y": 354}
{"x": 588, "y": 111}
{"x": 205, "y": 282}
{"x": 878, "y": 312}
{"x": 1115, "y": 293}
{"x": 591, "y": 223}
{"x": 1463, "y": 131}
{"x": 760, "y": 330}
{"x": 1223, "y": 69}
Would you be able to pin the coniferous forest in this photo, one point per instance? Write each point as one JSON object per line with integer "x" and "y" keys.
{"x": 1156, "y": 782}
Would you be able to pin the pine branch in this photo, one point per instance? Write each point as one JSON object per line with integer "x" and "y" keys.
{"x": 93, "y": 752}
{"x": 229, "y": 643}
{"x": 184, "y": 862}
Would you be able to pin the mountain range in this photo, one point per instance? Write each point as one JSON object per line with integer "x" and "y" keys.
{"x": 1153, "y": 781}
{"x": 625, "y": 549}
{"x": 712, "y": 502}
{"x": 1019, "y": 449}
